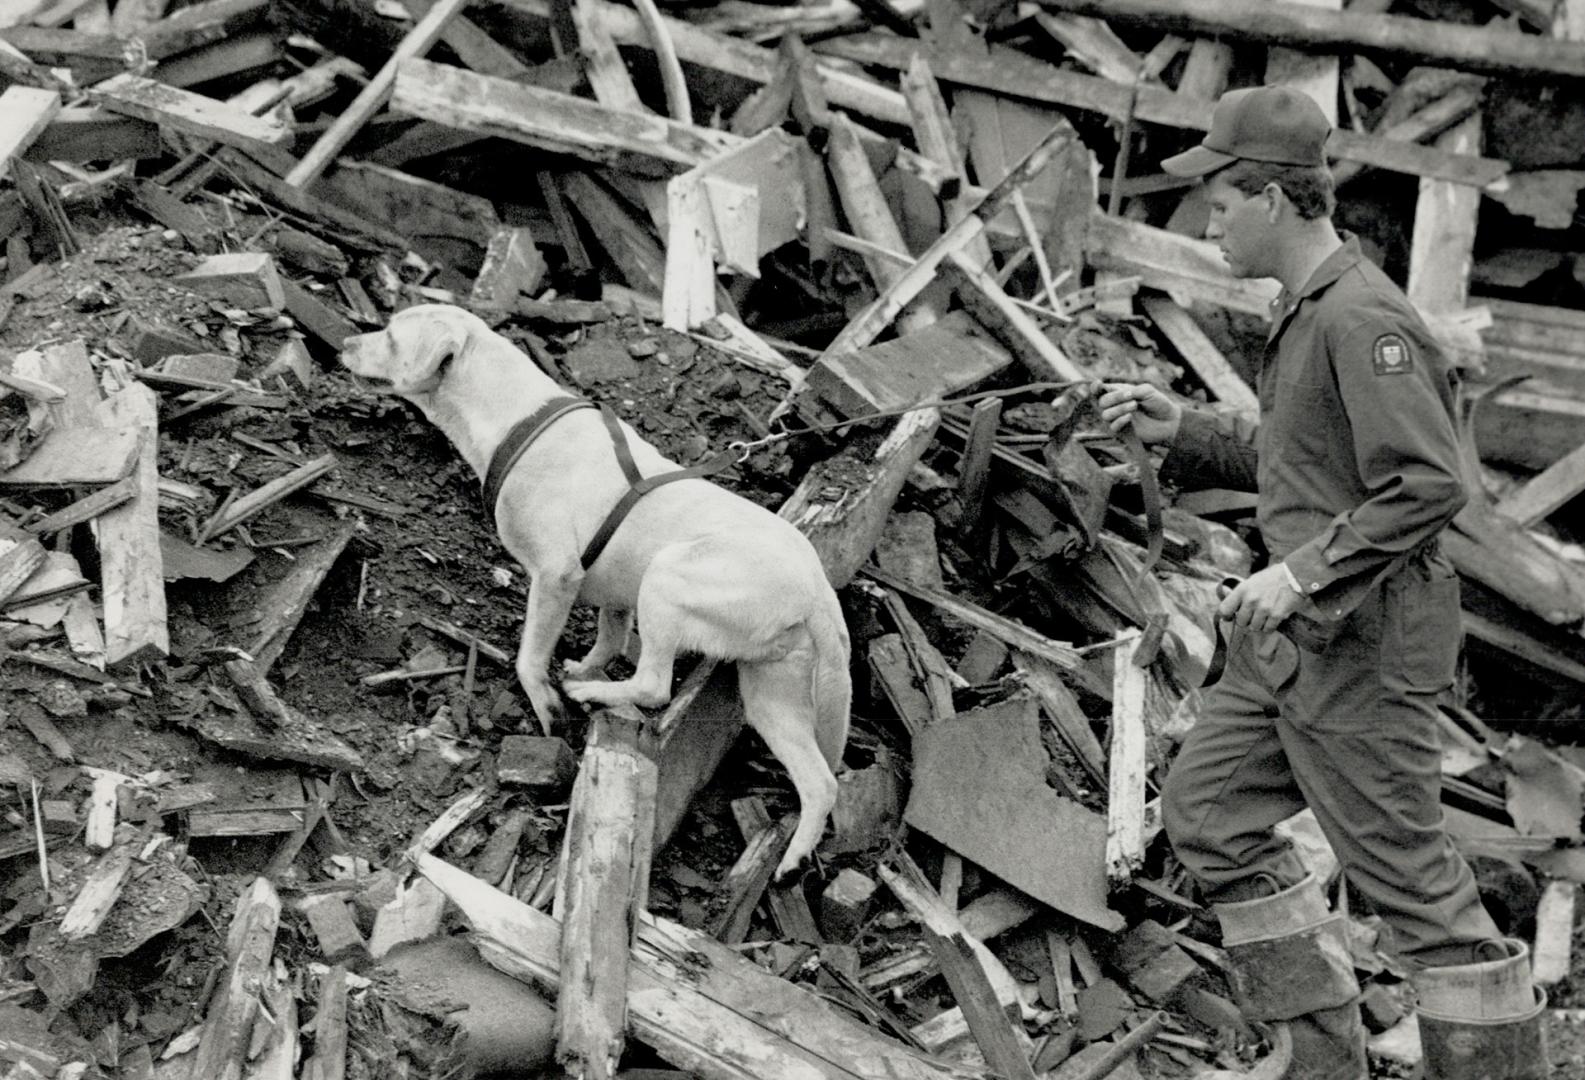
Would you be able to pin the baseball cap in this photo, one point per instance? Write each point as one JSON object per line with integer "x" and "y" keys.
{"x": 1277, "y": 124}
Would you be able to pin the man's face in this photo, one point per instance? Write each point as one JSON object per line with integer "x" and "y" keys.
{"x": 1241, "y": 226}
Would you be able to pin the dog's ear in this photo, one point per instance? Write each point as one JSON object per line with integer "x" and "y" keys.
{"x": 430, "y": 345}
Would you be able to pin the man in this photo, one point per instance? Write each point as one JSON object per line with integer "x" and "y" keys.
{"x": 1341, "y": 647}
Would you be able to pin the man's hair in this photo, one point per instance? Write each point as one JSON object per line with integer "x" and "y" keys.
{"x": 1309, "y": 188}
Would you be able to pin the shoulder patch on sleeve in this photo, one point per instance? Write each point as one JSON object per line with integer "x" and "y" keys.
{"x": 1391, "y": 355}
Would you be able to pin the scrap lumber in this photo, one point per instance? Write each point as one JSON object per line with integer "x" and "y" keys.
{"x": 25, "y": 112}
{"x": 473, "y": 45}
{"x": 74, "y": 457}
{"x": 705, "y": 48}
{"x": 1495, "y": 552}
{"x": 132, "y": 575}
{"x": 1554, "y": 933}
{"x": 1200, "y": 353}
{"x": 240, "y": 510}
{"x": 1442, "y": 43}
{"x": 641, "y": 143}
{"x": 1546, "y": 492}
{"x": 354, "y": 229}
{"x": 1125, "y": 796}
{"x": 1018, "y": 75}
{"x": 1442, "y": 249}
{"x": 250, "y": 945}
{"x": 82, "y": 133}
{"x": 698, "y": 1003}
{"x": 288, "y": 598}
{"x": 244, "y": 279}
{"x": 512, "y": 267}
{"x": 1313, "y": 74}
{"x": 18, "y": 562}
{"x": 788, "y": 906}
{"x": 870, "y": 216}
{"x": 608, "y": 76}
{"x": 746, "y": 880}
{"x": 329, "y": 145}
{"x": 938, "y": 142}
{"x": 903, "y": 288}
{"x": 187, "y": 112}
{"x": 419, "y": 209}
{"x": 1184, "y": 268}
{"x": 999, "y": 821}
{"x": 604, "y": 885}
{"x": 733, "y": 209}
{"x": 986, "y": 916}
{"x": 102, "y": 887}
{"x": 1012, "y": 325}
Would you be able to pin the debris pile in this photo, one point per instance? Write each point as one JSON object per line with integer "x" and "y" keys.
{"x": 271, "y": 807}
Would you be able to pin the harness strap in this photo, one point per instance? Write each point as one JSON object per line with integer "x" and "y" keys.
{"x": 639, "y": 486}
{"x": 519, "y": 439}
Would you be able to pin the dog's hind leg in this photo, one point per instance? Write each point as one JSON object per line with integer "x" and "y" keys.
{"x": 550, "y": 599}
{"x": 610, "y": 641}
{"x": 777, "y": 703}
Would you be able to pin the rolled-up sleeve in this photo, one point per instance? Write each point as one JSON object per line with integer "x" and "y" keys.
{"x": 1405, "y": 451}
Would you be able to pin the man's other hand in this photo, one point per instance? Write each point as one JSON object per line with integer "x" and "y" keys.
{"x": 1155, "y": 416}
{"x": 1261, "y": 602}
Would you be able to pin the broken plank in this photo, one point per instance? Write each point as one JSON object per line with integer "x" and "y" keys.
{"x": 701, "y": 1006}
{"x": 1017, "y": 75}
{"x": 1554, "y": 933}
{"x": 1487, "y": 49}
{"x": 645, "y": 144}
{"x": 1546, "y": 492}
{"x": 330, "y": 1027}
{"x": 976, "y": 792}
{"x": 1442, "y": 248}
{"x": 24, "y": 113}
{"x": 18, "y": 562}
{"x": 747, "y": 879}
{"x": 102, "y": 887}
{"x": 315, "y": 316}
{"x": 1200, "y": 353}
{"x": 512, "y": 267}
{"x": 288, "y": 599}
{"x": 705, "y": 48}
{"x": 1125, "y": 798}
{"x": 1184, "y": 268}
{"x": 293, "y": 737}
{"x": 329, "y": 145}
{"x": 187, "y": 112}
{"x": 972, "y": 990}
{"x": 132, "y": 569}
{"x": 69, "y": 457}
{"x": 604, "y": 885}
{"x": 250, "y": 946}
{"x": 1012, "y": 325}
{"x": 788, "y": 905}
{"x": 627, "y": 240}
{"x": 356, "y": 229}
{"x": 229, "y": 517}
{"x": 935, "y": 362}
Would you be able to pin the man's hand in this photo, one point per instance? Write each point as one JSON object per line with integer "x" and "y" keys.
{"x": 1155, "y": 416}
{"x": 1262, "y": 602}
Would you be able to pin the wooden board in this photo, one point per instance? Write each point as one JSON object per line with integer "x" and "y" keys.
{"x": 1548, "y": 491}
{"x": 1018, "y": 75}
{"x": 1315, "y": 74}
{"x": 24, "y": 113}
{"x": 560, "y": 123}
{"x": 132, "y": 569}
{"x": 68, "y": 457}
{"x": 935, "y": 362}
{"x": 1187, "y": 270}
{"x": 187, "y": 112}
{"x": 1442, "y": 249}
{"x": 1200, "y": 353}
{"x": 81, "y": 134}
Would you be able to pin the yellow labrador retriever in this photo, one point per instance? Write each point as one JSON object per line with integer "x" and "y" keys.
{"x": 703, "y": 570}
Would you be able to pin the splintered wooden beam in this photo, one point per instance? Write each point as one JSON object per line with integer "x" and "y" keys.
{"x": 604, "y": 885}
{"x": 649, "y": 145}
{"x": 131, "y": 566}
{"x": 187, "y": 112}
{"x": 329, "y": 146}
{"x": 1200, "y": 353}
{"x": 1125, "y": 797}
{"x": 735, "y": 56}
{"x": 1442, "y": 249}
{"x": 1014, "y": 74}
{"x": 1445, "y": 44}
{"x": 250, "y": 946}
{"x": 24, "y": 114}
{"x": 230, "y": 516}
{"x": 289, "y": 597}
{"x": 102, "y": 887}
{"x": 1548, "y": 491}
{"x": 699, "y": 1004}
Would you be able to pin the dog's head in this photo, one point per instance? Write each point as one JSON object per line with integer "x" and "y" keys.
{"x": 409, "y": 357}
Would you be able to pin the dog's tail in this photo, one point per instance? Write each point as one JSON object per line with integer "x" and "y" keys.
{"x": 832, "y": 684}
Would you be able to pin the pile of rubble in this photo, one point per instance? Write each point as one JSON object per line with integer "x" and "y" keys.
{"x": 268, "y": 807}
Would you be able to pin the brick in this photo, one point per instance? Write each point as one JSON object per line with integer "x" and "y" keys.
{"x": 845, "y": 905}
{"x": 541, "y": 761}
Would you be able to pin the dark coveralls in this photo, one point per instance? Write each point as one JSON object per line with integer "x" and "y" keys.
{"x": 1357, "y": 469}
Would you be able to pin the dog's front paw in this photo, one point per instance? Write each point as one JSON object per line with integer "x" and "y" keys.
{"x": 581, "y": 670}
{"x": 583, "y": 692}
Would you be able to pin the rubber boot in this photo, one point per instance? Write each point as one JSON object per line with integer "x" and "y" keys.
{"x": 1289, "y": 960}
{"x": 1483, "y": 1021}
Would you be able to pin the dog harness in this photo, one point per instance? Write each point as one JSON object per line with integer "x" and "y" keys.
{"x": 536, "y": 423}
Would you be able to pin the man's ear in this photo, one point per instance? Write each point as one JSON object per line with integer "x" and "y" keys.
{"x": 1275, "y": 197}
